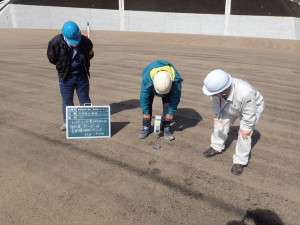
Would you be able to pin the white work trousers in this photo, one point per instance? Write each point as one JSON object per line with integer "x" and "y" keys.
{"x": 220, "y": 134}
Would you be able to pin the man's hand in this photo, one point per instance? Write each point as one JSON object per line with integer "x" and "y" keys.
{"x": 169, "y": 117}
{"x": 245, "y": 133}
{"x": 218, "y": 121}
{"x": 146, "y": 117}
{"x": 218, "y": 124}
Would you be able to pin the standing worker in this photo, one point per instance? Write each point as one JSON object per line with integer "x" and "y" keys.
{"x": 232, "y": 98}
{"x": 160, "y": 78}
{"x": 71, "y": 53}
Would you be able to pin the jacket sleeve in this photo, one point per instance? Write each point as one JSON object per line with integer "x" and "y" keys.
{"x": 145, "y": 99}
{"x": 91, "y": 51}
{"x": 175, "y": 95}
{"x": 51, "y": 53}
{"x": 248, "y": 105}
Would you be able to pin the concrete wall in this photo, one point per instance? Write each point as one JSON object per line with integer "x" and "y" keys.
{"x": 24, "y": 16}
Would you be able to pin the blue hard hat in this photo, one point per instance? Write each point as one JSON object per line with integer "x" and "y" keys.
{"x": 71, "y": 32}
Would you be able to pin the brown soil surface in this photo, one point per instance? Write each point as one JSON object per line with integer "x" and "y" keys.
{"x": 47, "y": 179}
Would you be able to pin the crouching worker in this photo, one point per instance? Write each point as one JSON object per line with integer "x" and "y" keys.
{"x": 160, "y": 78}
{"x": 232, "y": 98}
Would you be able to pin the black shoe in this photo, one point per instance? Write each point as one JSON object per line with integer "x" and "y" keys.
{"x": 210, "y": 153}
{"x": 237, "y": 169}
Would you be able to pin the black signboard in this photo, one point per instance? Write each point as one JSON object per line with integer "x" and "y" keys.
{"x": 88, "y": 122}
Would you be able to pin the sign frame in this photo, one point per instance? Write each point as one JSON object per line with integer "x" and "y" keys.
{"x": 85, "y": 122}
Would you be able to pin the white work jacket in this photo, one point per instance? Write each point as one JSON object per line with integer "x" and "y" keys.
{"x": 243, "y": 101}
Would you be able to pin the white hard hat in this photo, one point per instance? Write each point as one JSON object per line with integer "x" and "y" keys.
{"x": 216, "y": 81}
{"x": 162, "y": 82}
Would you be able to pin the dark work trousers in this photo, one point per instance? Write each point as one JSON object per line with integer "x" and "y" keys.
{"x": 166, "y": 102}
{"x": 67, "y": 88}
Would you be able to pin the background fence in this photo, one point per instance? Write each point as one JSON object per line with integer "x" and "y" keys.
{"x": 275, "y": 20}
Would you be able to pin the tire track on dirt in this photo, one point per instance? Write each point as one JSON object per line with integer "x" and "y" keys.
{"x": 132, "y": 169}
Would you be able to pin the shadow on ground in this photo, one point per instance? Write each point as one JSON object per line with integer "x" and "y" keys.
{"x": 259, "y": 217}
{"x": 185, "y": 118}
{"x": 117, "y": 126}
{"x": 233, "y": 134}
{"x": 117, "y": 107}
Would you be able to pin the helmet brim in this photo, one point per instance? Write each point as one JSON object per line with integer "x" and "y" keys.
{"x": 73, "y": 41}
{"x": 162, "y": 93}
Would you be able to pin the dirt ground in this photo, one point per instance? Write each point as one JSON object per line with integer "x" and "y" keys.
{"x": 48, "y": 179}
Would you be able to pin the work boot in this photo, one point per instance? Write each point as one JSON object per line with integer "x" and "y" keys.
{"x": 168, "y": 135}
{"x": 63, "y": 127}
{"x": 144, "y": 132}
{"x": 237, "y": 169}
{"x": 210, "y": 153}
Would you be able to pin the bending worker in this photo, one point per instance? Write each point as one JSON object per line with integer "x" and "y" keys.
{"x": 232, "y": 98}
{"x": 71, "y": 53}
{"x": 160, "y": 78}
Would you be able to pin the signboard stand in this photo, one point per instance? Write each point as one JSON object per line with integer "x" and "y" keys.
{"x": 88, "y": 122}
